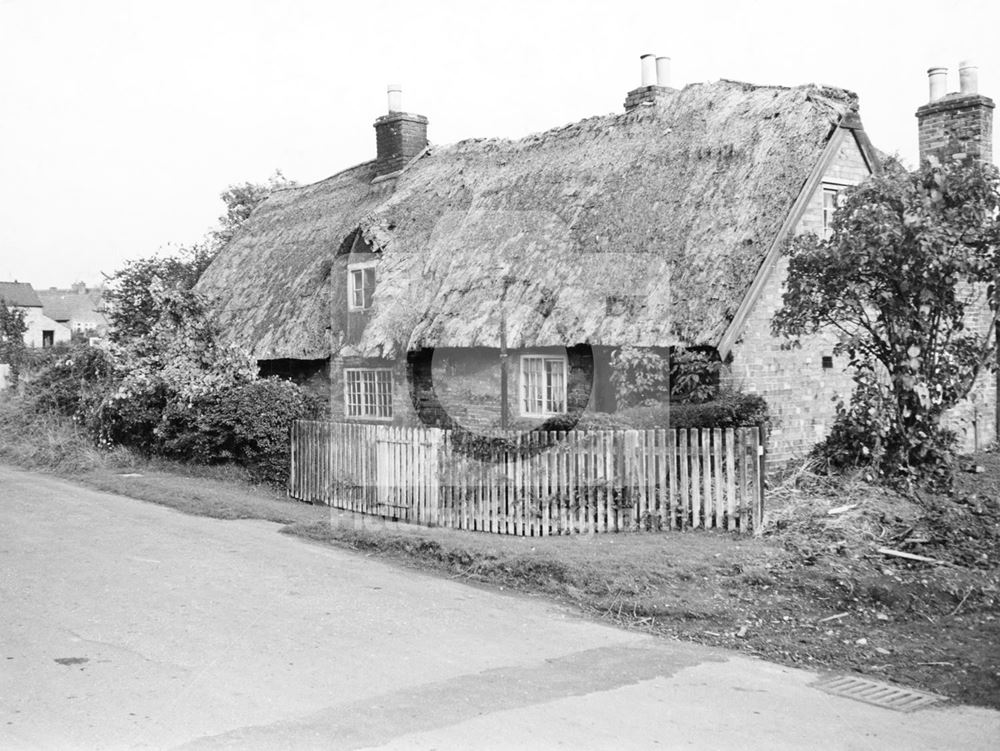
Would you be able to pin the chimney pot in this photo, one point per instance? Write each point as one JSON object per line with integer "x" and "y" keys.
{"x": 937, "y": 78}
{"x": 395, "y": 92}
{"x": 648, "y": 69}
{"x": 968, "y": 77}
{"x": 663, "y": 71}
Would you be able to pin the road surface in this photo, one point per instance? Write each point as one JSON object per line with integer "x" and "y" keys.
{"x": 128, "y": 625}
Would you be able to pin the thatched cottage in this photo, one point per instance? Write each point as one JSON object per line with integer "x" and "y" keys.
{"x": 436, "y": 282}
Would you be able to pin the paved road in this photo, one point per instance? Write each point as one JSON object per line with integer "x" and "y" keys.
{"x": 127, "y": 625}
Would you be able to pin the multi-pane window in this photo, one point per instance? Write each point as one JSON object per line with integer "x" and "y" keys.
{"x": 543, "y": 385}
{"x": 368, "y": 393}
{"x": 360, "y": 286}
{"x": 831, "y": 200}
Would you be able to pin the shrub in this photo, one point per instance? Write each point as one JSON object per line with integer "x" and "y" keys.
{"x": 247, "y": 424}
{"x": 866, "y": 433}
{"x": 131, "y": 419}
{"x": 69, "y": 381}
{"x": 728, "y": 410}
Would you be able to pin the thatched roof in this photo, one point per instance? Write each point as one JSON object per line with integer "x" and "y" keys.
{"x": 19, "y": 294}
{"x": 271, "y": 284}
{"x": 645, "y": 227}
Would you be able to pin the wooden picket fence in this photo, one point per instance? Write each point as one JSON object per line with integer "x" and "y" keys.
{"x": 535, "y": 484}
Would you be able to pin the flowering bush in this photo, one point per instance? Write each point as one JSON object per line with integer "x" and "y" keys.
{"x": 69, "y": 380}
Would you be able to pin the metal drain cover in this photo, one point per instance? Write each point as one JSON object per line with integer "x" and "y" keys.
{"x": 879, "y": 694}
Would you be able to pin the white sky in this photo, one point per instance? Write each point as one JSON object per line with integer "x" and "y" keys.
{"x": 121, "y": 122}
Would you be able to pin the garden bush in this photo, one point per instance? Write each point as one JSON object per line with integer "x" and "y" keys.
{"x": 68, "y": 380}
{"x": 247, "y": 424}
{"x": 727, "y": 410}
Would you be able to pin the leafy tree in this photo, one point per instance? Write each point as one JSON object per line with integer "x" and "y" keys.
{"x": 12, "y": 349}
{"x": 241, "y": 200}
{"x": 912, "y": 257}
{"x": 132, "y": 295}
{"x": 129, "y": 298}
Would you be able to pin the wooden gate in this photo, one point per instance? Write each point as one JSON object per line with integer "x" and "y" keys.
{"x": 407, "y": 473}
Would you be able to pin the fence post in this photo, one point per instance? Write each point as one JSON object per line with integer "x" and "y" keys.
{"x": 758, "y": 522}
{"x": 291, "y": 459}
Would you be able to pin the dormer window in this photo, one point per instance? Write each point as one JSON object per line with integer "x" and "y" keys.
{"x": 360, "y": 285}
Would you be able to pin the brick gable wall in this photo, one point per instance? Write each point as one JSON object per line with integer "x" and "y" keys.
{"x": 801, "y": 394}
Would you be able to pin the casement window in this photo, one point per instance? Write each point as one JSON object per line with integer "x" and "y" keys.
{"x": 368, "y": 393}
{"x": 833, "y": 198}
{"x": 543, "y": 385}
{"x": 360, "y": 285}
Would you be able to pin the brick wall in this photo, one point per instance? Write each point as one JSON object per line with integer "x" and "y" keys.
{"x": 645, "y": 95}
{"x": 463, "y": 384}
{"x": 957, "y": 123}
{"x": 398, "y": 138}
{"x": 800, "y": 392}
{"x": 974, "y": 418}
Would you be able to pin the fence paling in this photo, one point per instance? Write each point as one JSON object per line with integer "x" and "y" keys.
{"x": 545, "y": 484}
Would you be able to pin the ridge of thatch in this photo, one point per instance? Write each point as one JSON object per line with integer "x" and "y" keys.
{"x": 645, "y": 227}
{"x": 270, "y": 285}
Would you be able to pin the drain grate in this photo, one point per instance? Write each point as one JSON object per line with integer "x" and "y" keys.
{"x": 879, "y": 694}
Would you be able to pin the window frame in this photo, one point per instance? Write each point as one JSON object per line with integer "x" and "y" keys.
{"x": 366, "y": 399}
{"x": 523, "y": 384}
{"x": 361, "y": 266}
{"x": 837, "y": 189}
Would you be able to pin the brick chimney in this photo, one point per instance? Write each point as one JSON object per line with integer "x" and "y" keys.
{"x": 654, "y": 84}
{"x": 399, "y": 136}
{"x": 957, "y": 123}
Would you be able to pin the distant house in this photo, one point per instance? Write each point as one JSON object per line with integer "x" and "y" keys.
{"x": 78, "y": 308}
{"x": 42, "y": 330}
{"x": 424, "y": 284}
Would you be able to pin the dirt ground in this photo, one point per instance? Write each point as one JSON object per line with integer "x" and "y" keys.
{"x": 814, "y": 591}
